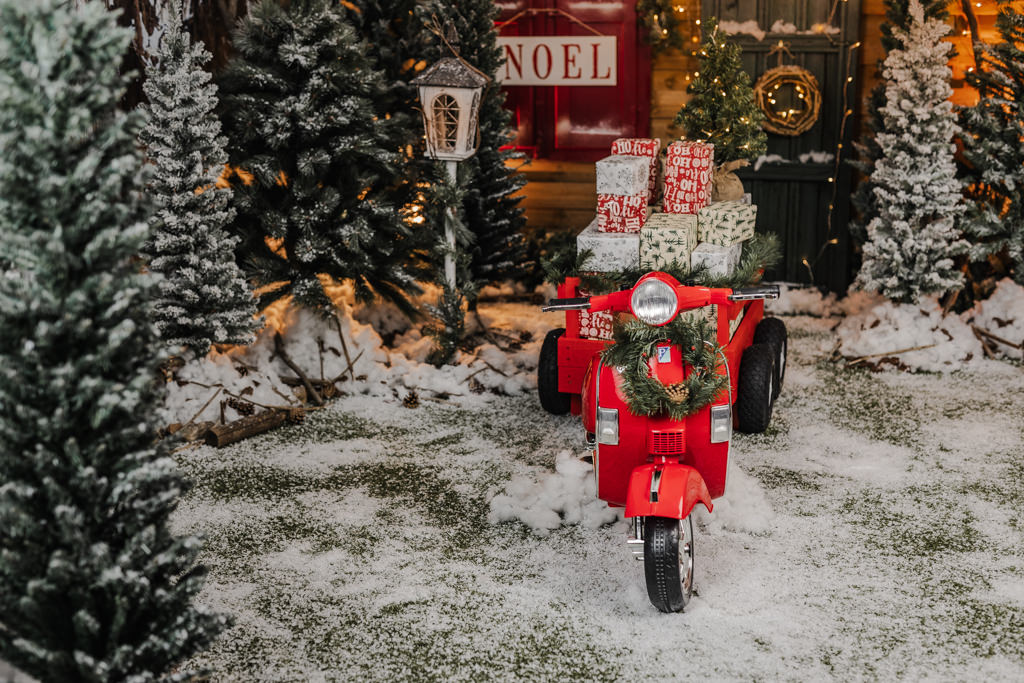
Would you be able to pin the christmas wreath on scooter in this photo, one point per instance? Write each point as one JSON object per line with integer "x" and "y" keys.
{"x": 636, "y": 343}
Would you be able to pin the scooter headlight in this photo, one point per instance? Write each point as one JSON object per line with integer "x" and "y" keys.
{"x": 654, "y": 302}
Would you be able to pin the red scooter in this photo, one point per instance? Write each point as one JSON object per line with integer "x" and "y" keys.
{"x": 656, "y": 467}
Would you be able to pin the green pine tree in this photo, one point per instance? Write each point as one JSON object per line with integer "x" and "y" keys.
{"x": 995, "y": 128}
{"x": 722, "y": 109}
{"x": 93, "y": 585}
{"x": 203, "y": 297}
{"x": 868, "y": 150}
{"x": 490, "y": 207}
{"x": 300, "y": 105}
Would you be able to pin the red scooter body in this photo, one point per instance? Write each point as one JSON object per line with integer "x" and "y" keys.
{"x": 655, "y": 467}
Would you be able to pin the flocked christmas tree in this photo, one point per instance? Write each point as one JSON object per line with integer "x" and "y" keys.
{"x": 317, "y": 156}
{"x": 911, "y": 243}
{"x": 203, "y": 297}
{"x": 995, "y": 128}
{"x": 93, "y": 586}
{"x": 490, "y": 207}
{"x": 721, "y": 109}
{"x": 868, "y": 151}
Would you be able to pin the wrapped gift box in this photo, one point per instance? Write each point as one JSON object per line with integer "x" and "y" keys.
{"x": 596, "y": 324}
{"x": 612, "y": 251}
{"x": 667, "y": 237}
{"x": 688, "y": 168}
{"x": 642, "y": 147}
{"x": 621, "y": 213}
{"x": 625, "y": 175}
{"x": 717, "y": 259}
{"x": 726, "y": 223}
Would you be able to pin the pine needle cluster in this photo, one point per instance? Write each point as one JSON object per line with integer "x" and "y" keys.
{"x": 721, "y": 109}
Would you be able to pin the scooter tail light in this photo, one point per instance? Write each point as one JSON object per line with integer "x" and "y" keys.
{"x": 608, "y": 426}
{"x": 721, "y": 423}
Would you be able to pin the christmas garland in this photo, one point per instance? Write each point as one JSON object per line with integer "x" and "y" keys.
{"x": 760, "y": 252}
{"x": 636, "y": 343}
{"x": 662, "y": 26}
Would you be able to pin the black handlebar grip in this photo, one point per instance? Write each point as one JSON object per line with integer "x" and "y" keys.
{"x": 751, "y": 293}
{"x": 581, "y": 303}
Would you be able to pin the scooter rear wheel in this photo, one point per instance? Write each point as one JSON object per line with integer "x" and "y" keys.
{"x": 668, "y": 562}
{"x": 551, "y": 399}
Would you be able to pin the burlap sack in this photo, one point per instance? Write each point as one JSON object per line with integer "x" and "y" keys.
{"x": 725, "y": 185}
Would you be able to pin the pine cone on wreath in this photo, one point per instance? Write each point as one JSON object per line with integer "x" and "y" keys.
{"x": 677, "y": 393}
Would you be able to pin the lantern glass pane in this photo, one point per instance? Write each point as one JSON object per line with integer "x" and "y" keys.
{"x": 446, "y": 122}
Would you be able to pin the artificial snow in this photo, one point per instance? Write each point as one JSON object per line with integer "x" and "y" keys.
{"x": 918, "y": 335}
{"x": 816, "y": 156}
{"x": 769, "y": 159}
{"x": 566, "y": 496}
{"x": 749, "y": 27}
{"x": 313, "y": 342}
{"x": 1002, "y": 314}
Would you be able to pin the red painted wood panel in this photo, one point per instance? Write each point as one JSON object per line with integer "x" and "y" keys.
{"x": 579, "y": 123}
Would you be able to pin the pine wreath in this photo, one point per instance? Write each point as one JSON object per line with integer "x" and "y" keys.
{"x": 636, "y": 342}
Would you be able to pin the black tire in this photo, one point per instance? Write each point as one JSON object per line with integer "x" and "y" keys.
{"x": 551, "y": 399}
{"x": 772, "y": 331}
{"x": 755, "y": 390}
{"x": 668, "y": 562}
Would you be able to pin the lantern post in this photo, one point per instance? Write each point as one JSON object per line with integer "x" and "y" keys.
{"x": 450, "y": 92}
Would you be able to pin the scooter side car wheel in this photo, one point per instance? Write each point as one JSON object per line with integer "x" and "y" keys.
{"x": 668, "y": 562}
{"x": 551, "y": 399}
{"x": 755, "y": 390}
{"x": 772, "y": 331}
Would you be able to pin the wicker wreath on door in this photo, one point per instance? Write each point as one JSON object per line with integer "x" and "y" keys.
{"x": 790, "y": 98}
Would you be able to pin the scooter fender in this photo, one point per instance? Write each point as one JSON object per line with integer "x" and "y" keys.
{"x": 665, "y": 489}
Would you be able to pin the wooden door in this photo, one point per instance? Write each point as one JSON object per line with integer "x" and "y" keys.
{"x": 579, "y": 123}
{"x": 793, "y": 198}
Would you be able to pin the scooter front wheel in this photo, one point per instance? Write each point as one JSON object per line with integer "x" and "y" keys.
{"x": 668, "y": 562}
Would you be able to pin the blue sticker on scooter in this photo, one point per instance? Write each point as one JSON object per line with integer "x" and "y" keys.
{"x": 664, "y": 354}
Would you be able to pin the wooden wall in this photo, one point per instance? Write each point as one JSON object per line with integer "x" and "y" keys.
{"x": 984, "y": 11}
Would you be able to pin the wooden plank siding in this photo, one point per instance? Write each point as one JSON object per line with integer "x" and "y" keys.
{"x": 871, "y": 52}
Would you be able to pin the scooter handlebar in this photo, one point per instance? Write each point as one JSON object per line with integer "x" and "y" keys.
{"x": 579, "y": 303}
{"x": 751, "y": 293}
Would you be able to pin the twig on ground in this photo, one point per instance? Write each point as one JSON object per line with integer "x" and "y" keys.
{"x": 200, "y": 411}
{"x": 985, "y": 346}
{"x": 311, "y": 391}
{"x": 349, "y": 369}
{"x": 344, "y": 348}
{"x": 889, "y": 353}
{"x": 994, "y": 337}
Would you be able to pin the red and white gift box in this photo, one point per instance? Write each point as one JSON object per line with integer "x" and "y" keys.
{"x": 688, "y": 176}
{"x": 621, "y": 213}
{"x": 595, "y": 324}
{"x": 642, "y": 147}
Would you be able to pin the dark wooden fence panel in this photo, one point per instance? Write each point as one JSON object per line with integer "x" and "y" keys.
{"x": 793, "y": 198}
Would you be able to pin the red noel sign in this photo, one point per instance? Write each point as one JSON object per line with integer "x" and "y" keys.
{"x": 641, "y": 147}
{"x": 621, "y": 213}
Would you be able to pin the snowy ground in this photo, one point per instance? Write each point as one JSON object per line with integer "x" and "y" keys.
{"x": 876, "y": 532}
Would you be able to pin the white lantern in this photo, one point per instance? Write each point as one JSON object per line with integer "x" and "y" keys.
{"x": 450, "y": 93}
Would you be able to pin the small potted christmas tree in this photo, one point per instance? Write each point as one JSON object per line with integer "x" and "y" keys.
{"x": 722, "y": 111}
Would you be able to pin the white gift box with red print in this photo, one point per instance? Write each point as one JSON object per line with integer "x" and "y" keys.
{"x": 623, "y": 175}
{"x": 642, "y": 147}
{"x": 688, "y": 176}
{"x": 595, "y": 324}
{"x": 621, "y": 213}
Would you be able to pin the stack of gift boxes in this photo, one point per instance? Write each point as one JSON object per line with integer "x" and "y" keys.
{"x": 685, "y": 229}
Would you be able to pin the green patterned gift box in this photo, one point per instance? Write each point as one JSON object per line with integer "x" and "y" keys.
{"x": 667, "y": 237}
{"x": 726, "y": 223}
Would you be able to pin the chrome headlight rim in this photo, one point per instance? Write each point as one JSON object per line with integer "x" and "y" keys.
{"x": 651, "y": 287}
